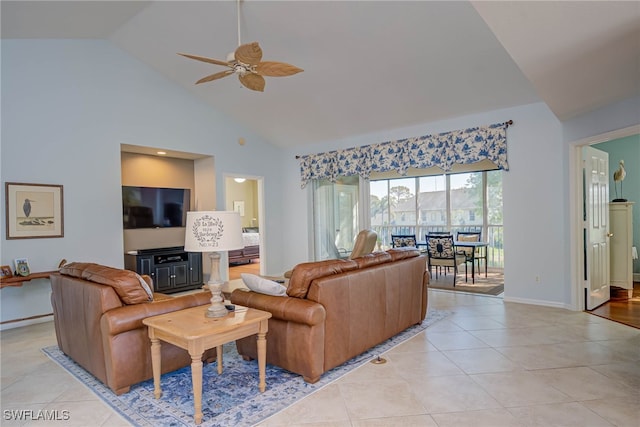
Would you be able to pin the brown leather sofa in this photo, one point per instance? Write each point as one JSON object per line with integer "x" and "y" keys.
{"x": 98, "y": 314}
{"x": 337, "y": 309}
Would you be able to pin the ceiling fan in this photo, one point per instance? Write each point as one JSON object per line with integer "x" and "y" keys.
{"x": 247, "y": 63}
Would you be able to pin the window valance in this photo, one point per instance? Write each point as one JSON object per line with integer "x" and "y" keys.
{"x": 442, "y": 150}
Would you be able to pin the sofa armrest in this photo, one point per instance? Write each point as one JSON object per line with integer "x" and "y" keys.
{"x": 283, "y": 308}
{"x": 130, "y": 317}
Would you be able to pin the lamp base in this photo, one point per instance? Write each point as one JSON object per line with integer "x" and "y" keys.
{"x": 217, "y": 308}
{"x": 215, "y": 313}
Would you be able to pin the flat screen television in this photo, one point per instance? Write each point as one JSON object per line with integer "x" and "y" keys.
{"x": 152, "y": 207}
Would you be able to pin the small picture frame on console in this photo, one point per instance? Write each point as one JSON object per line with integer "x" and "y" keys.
{"x": 22, "y": 267}
{"x": 6, "y": 272}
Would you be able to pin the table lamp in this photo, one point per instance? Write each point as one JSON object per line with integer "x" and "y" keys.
{"x": 214, "y": 232}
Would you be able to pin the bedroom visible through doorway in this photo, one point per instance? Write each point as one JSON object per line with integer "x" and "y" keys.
{"x": 243, "y": 195}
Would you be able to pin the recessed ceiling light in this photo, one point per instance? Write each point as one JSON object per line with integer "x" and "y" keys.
{"x": 162, "y": 153}
{"x": 239, "y": 180}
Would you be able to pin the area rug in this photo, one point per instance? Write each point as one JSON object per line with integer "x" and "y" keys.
{"x": 230, "y": 399}
{"x": 493, "y": 284}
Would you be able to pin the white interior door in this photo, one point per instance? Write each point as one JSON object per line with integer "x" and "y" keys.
{"x": 596, "y": 226}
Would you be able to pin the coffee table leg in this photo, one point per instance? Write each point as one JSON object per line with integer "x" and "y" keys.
{"x": 219, "y": 358}
{"x": 196, "y": 379}
{"x": 155, "y": 366}
{"x": 262, "y": 359}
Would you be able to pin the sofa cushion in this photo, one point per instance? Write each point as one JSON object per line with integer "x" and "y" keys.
{"x": 303, "y": 274}
{"x": 127, "y": 284}
{"x": 402, "y": 253}
{"x": 74, "y": 269}
{"x": 262, "y": 285}
{"x": 372, "y": 259}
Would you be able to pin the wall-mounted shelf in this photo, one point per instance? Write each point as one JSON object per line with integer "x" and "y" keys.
{"x": 19, "y": 280}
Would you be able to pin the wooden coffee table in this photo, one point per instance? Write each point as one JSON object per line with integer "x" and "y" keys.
{"x": 192, "y": 330}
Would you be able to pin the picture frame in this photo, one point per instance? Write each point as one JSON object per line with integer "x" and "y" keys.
{"x": 238, "y": 206}
{"x": 22, "y": 267}
{"x": 6, "y": 272}
{"x": 34, "y": 211}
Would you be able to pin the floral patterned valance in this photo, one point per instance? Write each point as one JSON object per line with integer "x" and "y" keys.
{"x": 442, "y": 150}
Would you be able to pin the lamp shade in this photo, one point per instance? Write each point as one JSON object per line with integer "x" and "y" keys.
{"x": 213, "y": 231}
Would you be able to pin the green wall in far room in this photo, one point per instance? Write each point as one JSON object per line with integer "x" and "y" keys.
{"x": 627, "y": 149}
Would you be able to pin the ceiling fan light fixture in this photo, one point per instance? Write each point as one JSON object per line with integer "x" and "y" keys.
{"x": 246, "y": 62}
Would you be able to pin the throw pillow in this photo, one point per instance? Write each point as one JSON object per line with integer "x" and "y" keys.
{"x": 145, "y": 286}
{"x": 263, "y": 286}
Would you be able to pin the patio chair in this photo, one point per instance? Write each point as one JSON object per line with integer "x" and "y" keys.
{"x": 472, "y": 253}
{"x": 441, "y": 253}
{"x": 402, "y": 240}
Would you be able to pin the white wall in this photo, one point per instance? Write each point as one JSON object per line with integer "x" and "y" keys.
{"x": 67, "y": 106}
{"x": 534, "y": 231}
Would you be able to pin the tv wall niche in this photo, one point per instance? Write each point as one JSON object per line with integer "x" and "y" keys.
{"x": 142, "y": 170}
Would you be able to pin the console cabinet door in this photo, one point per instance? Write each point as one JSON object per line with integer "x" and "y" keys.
{"x": 180, "y": 275}
{"x": 162, "y": 278}
{"x": 144, "y": 265}
{"x": 195, "y": 262}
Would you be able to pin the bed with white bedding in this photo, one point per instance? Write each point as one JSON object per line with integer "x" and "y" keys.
{"x": 250, "y": 251}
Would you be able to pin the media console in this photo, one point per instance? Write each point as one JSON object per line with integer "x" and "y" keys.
{"x": 172, "y": 269}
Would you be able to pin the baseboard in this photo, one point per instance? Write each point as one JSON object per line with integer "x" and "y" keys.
{"x": 636, "y": 277}
{"x": 12, "y": 324}
{"x": 539, "y": 302}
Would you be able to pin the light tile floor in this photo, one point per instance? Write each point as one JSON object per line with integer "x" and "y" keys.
{"x": 490, "y": 364}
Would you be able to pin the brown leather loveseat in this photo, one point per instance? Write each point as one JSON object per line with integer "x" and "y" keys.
{"x": 337, "y": 309}
{"x": 98, "y": 314}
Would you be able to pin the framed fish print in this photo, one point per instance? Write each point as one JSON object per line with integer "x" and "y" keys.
{"x": 34, "y": 211}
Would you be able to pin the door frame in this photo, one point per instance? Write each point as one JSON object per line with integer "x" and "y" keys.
{"x": 261, "y": 216}
{"x": 576, "y": 254}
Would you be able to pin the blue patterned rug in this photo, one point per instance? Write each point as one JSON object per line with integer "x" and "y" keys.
{"x": 230, "y": 399}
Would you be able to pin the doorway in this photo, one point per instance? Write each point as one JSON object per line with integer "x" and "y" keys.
{"x": 244, "y": 195}
{"x": 580, "y": 258}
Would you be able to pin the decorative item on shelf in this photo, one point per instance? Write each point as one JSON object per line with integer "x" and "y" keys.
{"x": 618, "y": 176}
{"x": 5, "y": 272}
{"x": 214, "y": 232}
{"x": 22, "y": 267}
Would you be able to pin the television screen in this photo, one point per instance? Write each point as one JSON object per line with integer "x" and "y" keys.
{"x": 151, "y": 207}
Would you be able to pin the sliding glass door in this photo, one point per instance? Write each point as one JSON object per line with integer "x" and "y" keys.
{"x": 335, "y": 217}
{"x": 455, "y": 202}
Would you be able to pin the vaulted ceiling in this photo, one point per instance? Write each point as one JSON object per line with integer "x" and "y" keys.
{"x": 368, "y": 66}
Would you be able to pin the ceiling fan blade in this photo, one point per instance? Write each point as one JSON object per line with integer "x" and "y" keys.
{"x": 253, "y": 82}
{"x": 215, "y": 76}
{"x": 277, "y": 69}
{"x": 205, "y": 59}
{"x": 249, "y": 53}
